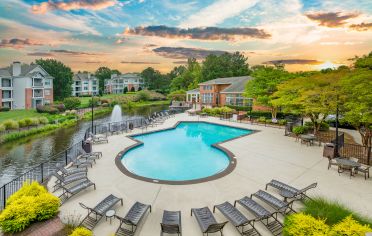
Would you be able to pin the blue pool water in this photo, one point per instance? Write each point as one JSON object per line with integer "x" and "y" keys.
{"x": 181, "y": 154}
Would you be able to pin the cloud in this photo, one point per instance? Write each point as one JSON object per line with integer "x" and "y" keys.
{"x": 217, "y": 13}
{"x": 18, "y": 43}
{"x": 139, "y": 62}
{"x": 74, "y": 53}
{"x": 51, "y": 5}
{"x": 40, "y": 54}
{"x": 330, "y": 19}
{"x": 182, "y": 53}
{"x": 206, "y": 33}
{"x": 294, "y": 62}
{"x": 180, "y": 62}
{"x": 361, "y": 27}
{"x": 93, "y": 62}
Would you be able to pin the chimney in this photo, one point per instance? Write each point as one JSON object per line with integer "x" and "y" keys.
{"x": 16, "y": 68}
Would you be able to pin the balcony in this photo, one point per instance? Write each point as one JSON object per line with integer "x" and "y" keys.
{"x": 37, "y": 83}
{"x": 6, "y": 95}
{"x": 6, "y": 83}
{"x": 38, "y": 93}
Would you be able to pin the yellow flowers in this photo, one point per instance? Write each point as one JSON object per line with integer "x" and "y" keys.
{"x": 30, "y": 204}
{"x": 301, "y": 224}
{"x": 81, "y": 231}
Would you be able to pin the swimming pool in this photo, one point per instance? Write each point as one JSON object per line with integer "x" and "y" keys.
{"x": 186, "y": 152}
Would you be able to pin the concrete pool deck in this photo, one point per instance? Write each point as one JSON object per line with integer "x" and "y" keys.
{"x": 261, "y": 156}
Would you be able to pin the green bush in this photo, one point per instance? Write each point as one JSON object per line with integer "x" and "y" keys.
{"x": 297, "y": 130}
{"x": 46, "y": 109}
{"x": 10, "y": 124}
{"x": 301, "y": 224}
{"x": 262, "y": 119}
{"x": 81, "y": 231}
{"x": 22, "y": 123}
{"x": 323, "y": 126}
{"x": 43, "y": 120}
{"x": 29, "y": 204}
{"x": 34, "y": 122}
{"x": 333, "y": 212}
{"x": 96, "y": 101}
{"x": 215, "y": 111}
{"x": 143, "y": 96}
{"x": 71, "y": 103}
{"x": 2, "y": 128}
{"x": 349, "y": 227}
{"x": 178, "y": 95}
{"x": 282, "y": 122}
{"x": 240, "y": 108}
{"x": 4, "y": 109}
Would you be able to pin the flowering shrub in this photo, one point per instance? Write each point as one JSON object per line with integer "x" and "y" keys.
{"x": 29, "y": 204}
{"x": 350, "y": 227}
{"x": 81, "y": 231}
{"x": 217, "y": 110}
{"x": 304, "y": 225}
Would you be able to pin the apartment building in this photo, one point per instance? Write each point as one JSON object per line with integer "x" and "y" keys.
{"x": 220, "y": 92}
{"x": 24, "y": 86}
{"x": 84, "y": 83}
{"x": 117, "y": 83}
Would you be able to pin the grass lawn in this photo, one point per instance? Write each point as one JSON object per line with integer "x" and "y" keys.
{"x": 18, "y": 114}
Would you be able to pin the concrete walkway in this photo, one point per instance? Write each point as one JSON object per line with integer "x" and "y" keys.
{"x": 260, "y": 157}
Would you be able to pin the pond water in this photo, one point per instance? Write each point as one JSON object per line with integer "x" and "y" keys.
{"x": 19, "y": 156}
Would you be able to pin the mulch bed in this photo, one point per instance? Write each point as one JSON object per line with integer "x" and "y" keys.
{"x": 52, "y": 227}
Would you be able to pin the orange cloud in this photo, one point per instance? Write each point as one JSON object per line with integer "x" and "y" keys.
{"x": 18, "y": 43}
{"x": 330, "y": 19}
{"x": 361, "y": 27}
{"x": 72, "y": 5}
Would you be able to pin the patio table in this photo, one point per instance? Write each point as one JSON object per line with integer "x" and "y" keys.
{"x": 308, "y": 138}
{"x": 346, "y": 164}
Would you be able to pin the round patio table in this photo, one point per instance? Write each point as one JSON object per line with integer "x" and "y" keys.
{"x": 346, "y": 164}
{"x": 109, "y": 214}
{"x": 309, "y": 139}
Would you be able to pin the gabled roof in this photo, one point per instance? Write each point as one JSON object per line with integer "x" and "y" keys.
{"x": 197, "y": 90}
{"x": 25, "y": 70}
{"x": 237, "y": 84}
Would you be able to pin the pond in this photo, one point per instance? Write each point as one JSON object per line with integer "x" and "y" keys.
{"x": 19, "y": 156}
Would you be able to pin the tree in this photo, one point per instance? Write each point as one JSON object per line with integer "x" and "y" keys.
{"x": 102, "y": 74}
{"x": 125, "y": 90}
{"x": 154, "y": 80}
{"x": 132, "y": 89}
{"x": 225, "y": 65}
{"x": 71, "y": 103}
{"x": 264, "y": 85}
{"x": 189, "y": 78}
{"x": 364, "y": 62}
{"x": 62, "y": 77}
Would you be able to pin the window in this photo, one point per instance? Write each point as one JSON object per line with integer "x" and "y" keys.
{"x": 47, "y": 92}
{"x": 238, "y": 100}
{"x": 86, "y": 82}
{"x": 94, "y": 88}
{"x": 47, "y": 82}
{"x": 94, "y": 82}
{"x": 85, "y": 88}
{"x": 207, "y": 97}
{"x": 207, "y": 87}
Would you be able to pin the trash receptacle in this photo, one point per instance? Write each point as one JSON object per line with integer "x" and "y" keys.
{"x": 87, "y": 145}
{"x": 288, "y": 128}
{"x": 329, "y": 150}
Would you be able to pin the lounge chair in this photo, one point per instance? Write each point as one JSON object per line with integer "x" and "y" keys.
{"x": 297, "y": 193}
{"x": 85, "y": 154}
{"x": 280, "y": 206}
{"x": 66, "y": 172}
{"x": 66, "y": 180}
{"x": 363, "y": 169}
{"x": 171, "y": 223}
{"x": 99, "y": 138}
{"x": 81, "y": 162}
{"x": 237, "y": 219}
{"x": 129, "y": 224}
{"x": 68, "y": 192}
{"x": 207, "y": 222}
{"x": 95, "y": 214}
{"x": 270, "y": 220}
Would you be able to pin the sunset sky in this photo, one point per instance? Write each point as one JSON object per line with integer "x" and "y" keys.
{"x": 134, "y": 34}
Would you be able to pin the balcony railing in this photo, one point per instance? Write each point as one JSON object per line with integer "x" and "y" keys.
{"x": 38, "y": 95}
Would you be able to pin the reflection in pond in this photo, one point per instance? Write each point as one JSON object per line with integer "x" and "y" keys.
{"x": 19, "y": 156}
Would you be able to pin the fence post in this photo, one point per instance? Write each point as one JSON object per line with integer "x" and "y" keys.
{"x": 4, "y": 194}
{"x": 42, "y": 172}
{"x": 66, "y": 157}
{"x": 369, "y": 155}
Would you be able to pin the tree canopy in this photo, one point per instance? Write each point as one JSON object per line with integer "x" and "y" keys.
{"x": 102, "y": 74}
{"x": 62, "y": 77}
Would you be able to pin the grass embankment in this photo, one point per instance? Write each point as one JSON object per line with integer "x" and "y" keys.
{"x": 85, "y": 101}
{"x": 19, "y": 114}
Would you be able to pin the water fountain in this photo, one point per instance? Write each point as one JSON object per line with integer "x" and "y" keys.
{"x": 116, "y": 115}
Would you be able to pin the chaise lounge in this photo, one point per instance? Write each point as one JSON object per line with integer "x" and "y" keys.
{"x": 95, "y": 214}
{"x": 171, "y": 223}
{"x": 280, "y": 206}
{"x": 206, "y": 221}
{"x": 289, "y": 191}
{"x": 68, "y": 192}
{"x": 129, "y": 224}
{"x": 66, "y": 172}
{"x": 268, "y": 219}
{"x": 237, "y": 219}
{"x": 66, "y": 180}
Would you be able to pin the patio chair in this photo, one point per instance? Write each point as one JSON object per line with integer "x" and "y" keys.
{"x": 66, "y": 180}
{"x": 68, "y": 192}
{"x": 207, "y": 222}
{"x": 363, "y": 169}
{"x": 81, "y": 162}
{"x": 66, "y": 172}
{"x": 237, "y": 219}
{"x": 332, "y": 162}
{"x": 99, "y": 138}
{"x": 268, "y": 219}
{"x": 129, "y": 224}
{"x": 95, "y": 154}
{"x": 297, "y": 193}
{"x": 280, "y": 206}
{"x": 95, "y": 214}
{"x": 171, "y": 223}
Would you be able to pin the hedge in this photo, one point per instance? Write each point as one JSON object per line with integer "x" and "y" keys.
{"x": 81, "y": 231}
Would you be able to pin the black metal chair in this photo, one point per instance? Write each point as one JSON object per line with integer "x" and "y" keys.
{"x": 171, "y": 223}
{"x": 206, "y": 221}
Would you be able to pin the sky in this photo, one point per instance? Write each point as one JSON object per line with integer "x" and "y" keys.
{"x": 131, "y": 35}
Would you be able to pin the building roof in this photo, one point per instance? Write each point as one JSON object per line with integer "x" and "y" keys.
{"x": 197, "y": 90}
{"x": 83, "y": 76}
{"x": 25, "y": 69}
{"x": 237, "y": 84}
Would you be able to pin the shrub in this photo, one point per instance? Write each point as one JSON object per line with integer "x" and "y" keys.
{"x": 71, "y": 222}
{"x": 132, "y": 89}
{"x": 262, "y": 119}
{"x": 349, "y": 227}
{"x": 323, "y": 126}
{"x": 217, "y": 110}
{"x": 81, "y": 231}
{"x": 34, "y": 122}
{"x": 22, "y": 123}
{"x": 333, "y": 212}
{"x": 29, "y": 204}
{"x": 60, "y": 107}
{"x": 71, "y": 103}
{"x": 178, "y": 95}
{"x": 143, "y": 96}
{"x": 282, "y": 122}
{"x": 10, "y": 124}
{"x": 304, "y": 225}
{"x": 95, "y": 102}
{"x": 2, "y": 128}
{"x": 43, "y": 120}
{"x": 4, "y": 109}
{"x": 297, "y": 130}
{"x": 46, "y": 109}
{"x": 125, "y": 90}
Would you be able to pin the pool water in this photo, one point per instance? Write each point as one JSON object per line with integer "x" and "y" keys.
{"x": 181, "y": 154}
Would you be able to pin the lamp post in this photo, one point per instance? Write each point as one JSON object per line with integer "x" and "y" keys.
{"x": 92, "y": 112}
{"x": 337, "y": 113}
